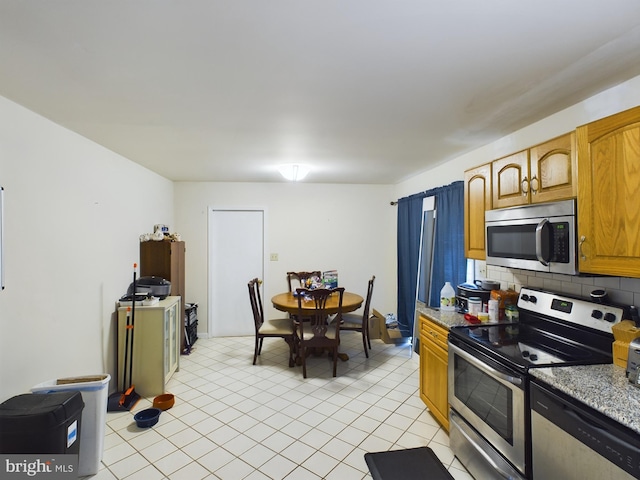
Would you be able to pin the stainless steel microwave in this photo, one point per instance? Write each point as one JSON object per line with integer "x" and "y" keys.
{"x": 540, "y": 237}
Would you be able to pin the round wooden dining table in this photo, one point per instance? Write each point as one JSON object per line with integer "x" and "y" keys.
{"x": 287, "y": 302}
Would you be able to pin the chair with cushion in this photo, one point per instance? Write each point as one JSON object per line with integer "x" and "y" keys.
{"x": 317, "y": 332}
{"x": 360, "y": 323}
{"x": 300, "y": 278}
{"x": 281, "y": 327}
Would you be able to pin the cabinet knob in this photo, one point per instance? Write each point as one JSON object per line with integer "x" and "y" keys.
{"x": 525, "y": 186}
{"x": 534, "y": 186}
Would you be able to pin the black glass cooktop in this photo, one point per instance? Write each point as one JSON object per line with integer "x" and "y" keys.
{"x": 525, "y": 346}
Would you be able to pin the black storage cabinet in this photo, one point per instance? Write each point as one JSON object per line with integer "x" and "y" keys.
{"x": 41, "y": 423}
{"x": 191, "y": 323}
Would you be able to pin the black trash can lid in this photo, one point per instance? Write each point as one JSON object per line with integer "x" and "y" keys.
{"x": 39, "y": 411}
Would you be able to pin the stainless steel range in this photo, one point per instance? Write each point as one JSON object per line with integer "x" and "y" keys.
{"x": 490, "y": 420}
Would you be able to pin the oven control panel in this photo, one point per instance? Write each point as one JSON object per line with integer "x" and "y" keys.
{"x": 580, "y": 312}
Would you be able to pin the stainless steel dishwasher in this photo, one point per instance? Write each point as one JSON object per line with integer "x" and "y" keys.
{"x": 573, "y": 441}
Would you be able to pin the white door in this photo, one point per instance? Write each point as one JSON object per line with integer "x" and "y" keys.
{"x": 236, "y": 255}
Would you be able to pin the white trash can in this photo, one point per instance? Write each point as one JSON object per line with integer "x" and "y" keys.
{"x": 94, "y": 389}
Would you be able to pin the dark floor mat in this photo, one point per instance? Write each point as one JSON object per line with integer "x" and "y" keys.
{"x": 409, "y": 464}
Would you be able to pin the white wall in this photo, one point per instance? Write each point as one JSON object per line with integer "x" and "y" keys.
{"x": 73, "y": 214}
{"x": 350, "y": 228}
{"x": 614, "y": 100}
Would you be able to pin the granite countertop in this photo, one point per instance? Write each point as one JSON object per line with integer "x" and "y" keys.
{"x": 602, "y": 387}
{"x": 445, "y": 319}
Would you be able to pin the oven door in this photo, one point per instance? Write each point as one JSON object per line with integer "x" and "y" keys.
{"x": 491, "y": 398}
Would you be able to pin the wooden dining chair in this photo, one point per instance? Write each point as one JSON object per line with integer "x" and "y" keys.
{"x": 360, "y": 323}
{"x": 281, "y": 327}
{"x": 317, "y": 332}
{"x": 301, "y": 278}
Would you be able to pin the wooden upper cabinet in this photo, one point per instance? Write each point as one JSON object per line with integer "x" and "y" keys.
{"x": 510, "y": 180}
{"x": 544, "y": 173}
{"x": 608, "y": 192}
{"x": 477, "y": 199}
{"x": 553, "y": 170}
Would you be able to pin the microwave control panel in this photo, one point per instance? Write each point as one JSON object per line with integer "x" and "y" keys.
{"x": 560, "y": 232}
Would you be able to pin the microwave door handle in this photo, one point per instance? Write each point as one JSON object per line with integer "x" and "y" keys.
{"x": 539, "y": 229}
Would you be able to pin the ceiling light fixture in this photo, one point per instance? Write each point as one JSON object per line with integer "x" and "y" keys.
{"x": 293, "y": 172}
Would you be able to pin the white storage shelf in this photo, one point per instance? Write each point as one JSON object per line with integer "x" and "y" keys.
{"x": 156, "y": 345}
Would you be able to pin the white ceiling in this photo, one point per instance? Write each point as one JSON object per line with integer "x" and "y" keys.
{"x": 363, "y": 91}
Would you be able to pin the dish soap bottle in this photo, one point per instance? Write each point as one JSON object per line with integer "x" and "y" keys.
{"x": 447, "y": 298}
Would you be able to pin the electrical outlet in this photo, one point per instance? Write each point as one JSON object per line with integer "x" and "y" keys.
{"x": 274, "y": 257}
{"x": 482, "y": 270}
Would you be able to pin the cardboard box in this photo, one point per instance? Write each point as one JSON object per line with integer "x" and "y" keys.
{"x": 378, "y": 323}
{"x": 330, "y": 279}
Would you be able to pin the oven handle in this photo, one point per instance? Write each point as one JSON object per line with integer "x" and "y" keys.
{"x": 539, "y": 228}
{"x": 517, "y": 381}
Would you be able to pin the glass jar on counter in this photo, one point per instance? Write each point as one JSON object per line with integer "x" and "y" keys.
{"x": 511, "y": 313}
{"x": 474, "y": 305}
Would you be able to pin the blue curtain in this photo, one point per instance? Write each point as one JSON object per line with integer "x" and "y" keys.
{"x": 449, "y": 263}
{"x": 409, "y": 225}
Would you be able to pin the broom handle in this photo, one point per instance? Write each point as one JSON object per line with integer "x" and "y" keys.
{"x": 133, "y": 322}
{"x": 126, "y": 351}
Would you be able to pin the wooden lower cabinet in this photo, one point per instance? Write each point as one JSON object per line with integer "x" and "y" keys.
{"x": 433, "y": 369}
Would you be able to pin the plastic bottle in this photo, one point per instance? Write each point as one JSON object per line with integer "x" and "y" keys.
{"x": 493, "y": 310}
{"x": 447, "y": 298}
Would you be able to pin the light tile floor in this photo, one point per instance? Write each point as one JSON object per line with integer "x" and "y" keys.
{"x": 233, "y": 420}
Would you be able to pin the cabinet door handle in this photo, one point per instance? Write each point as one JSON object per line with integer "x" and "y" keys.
{"x": 582, "y": 240}
{"x": 534, "y": 189}
{"x": 525, "y": 186}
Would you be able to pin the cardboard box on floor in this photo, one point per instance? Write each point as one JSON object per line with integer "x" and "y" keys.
{"x": 378, "y": 329}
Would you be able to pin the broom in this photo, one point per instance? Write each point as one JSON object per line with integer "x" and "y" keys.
{"x": 127, "y": 398}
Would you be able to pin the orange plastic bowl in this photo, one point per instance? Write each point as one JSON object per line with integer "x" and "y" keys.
{"x": 164, "y": 401}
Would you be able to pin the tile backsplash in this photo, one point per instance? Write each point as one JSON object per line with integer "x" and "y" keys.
{"x": 621, "y": 290}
